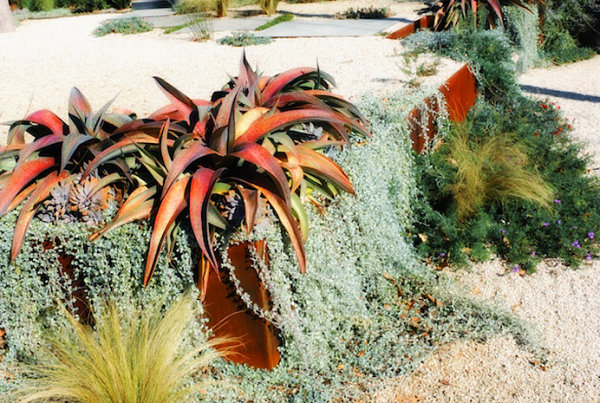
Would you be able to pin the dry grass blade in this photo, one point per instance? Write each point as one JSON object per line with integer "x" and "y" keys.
{"x": 136, "y": 358}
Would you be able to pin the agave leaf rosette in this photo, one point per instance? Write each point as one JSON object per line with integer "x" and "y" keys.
{"x": 262, "y": 139}
{"x": 30, "y": 170}
{"x": 448, "y": 12}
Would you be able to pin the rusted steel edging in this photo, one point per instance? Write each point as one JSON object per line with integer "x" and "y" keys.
{"x": 459, "y": 93}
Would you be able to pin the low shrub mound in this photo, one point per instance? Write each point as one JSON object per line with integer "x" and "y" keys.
{"x": 241, "y": 39}
{"x": 364, "y": 13}
{"x": 127, "y": 26}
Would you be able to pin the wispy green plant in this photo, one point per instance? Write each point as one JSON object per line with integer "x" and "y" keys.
{"x": 493, "y": 170}
{"x": 138, "y": 357}
{"x": 200, "y": 26}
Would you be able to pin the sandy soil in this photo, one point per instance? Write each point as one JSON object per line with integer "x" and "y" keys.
{"x": 42, "y": 60}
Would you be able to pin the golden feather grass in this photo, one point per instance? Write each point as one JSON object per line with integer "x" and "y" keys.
{"x": 492, "y": 170}
{"x": 135, "y": 359}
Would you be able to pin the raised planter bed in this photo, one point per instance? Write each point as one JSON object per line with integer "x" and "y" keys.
{"x": 459, "y": 93}
{"x": 255, "y": 340}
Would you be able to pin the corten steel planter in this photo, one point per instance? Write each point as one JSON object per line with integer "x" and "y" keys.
{"x": 459, "y": 93}
{"x": 409, "y": 29}
{"x": 255, "y": 340}
{"x": 79, "y": 296}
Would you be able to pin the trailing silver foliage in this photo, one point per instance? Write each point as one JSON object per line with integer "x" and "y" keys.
{"x": 366, "y": 309}
{"x": 112, "y": 269}
{"x": 345, "y": 323}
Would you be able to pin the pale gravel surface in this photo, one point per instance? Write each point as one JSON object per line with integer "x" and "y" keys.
{"x": 577, "y": 80}
{"x": 42, "y": 60}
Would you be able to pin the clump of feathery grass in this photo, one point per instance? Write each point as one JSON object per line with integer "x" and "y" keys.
{"x": 138, "y": 358}
{"x": 492, "y": 170}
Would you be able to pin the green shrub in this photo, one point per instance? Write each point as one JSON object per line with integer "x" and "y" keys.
{"x": 517, "y": 230}
{"x": 42, "y": 5}
{"x": 119, "y": 4}
{"x": 132, "y": 25}
{"x": 85, "y": 6}
{"x": 241, "y": 39}
{"x": 488, "y": 52}
{"x": 140, "y": 356}
{"x": 363, "y": 13}
{"x": 559, "y": 47}
{"x": 579, "y": 18}
{"x": 37, "y": 5}
{"x": 275, "y": 21}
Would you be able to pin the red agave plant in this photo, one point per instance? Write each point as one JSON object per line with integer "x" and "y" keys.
{"x": 260, "y": 141}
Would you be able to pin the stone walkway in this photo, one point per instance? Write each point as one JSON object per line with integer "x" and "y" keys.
{"x": 297, "y": 28}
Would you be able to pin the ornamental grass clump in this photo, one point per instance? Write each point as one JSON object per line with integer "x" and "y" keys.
{"x": 137, "y": 357}
{"x": 491, "y": 170}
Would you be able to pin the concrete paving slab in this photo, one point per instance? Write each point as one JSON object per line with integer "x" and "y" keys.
{"x": 166, "y": 17}
{"x": 239, "y": 24}
{"x": 327, "y": 27}
{"x": 314, "y": 27}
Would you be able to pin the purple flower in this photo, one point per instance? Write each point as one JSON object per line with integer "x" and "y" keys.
{"x": 545, "y": 224}
{"x": 591, "y": 235}
{"x": 516, "y": 268}
{"x": 533, "y": 254}
{"x": 576, "y": 244}
{"x": 574, "y": 227}
{"x": 559, "y": 222}
{"x": 588, "y": 256}
{"x": 442, "y": 254}
{"x": 503, "y": 231}
{"x": 557, "y": 201}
